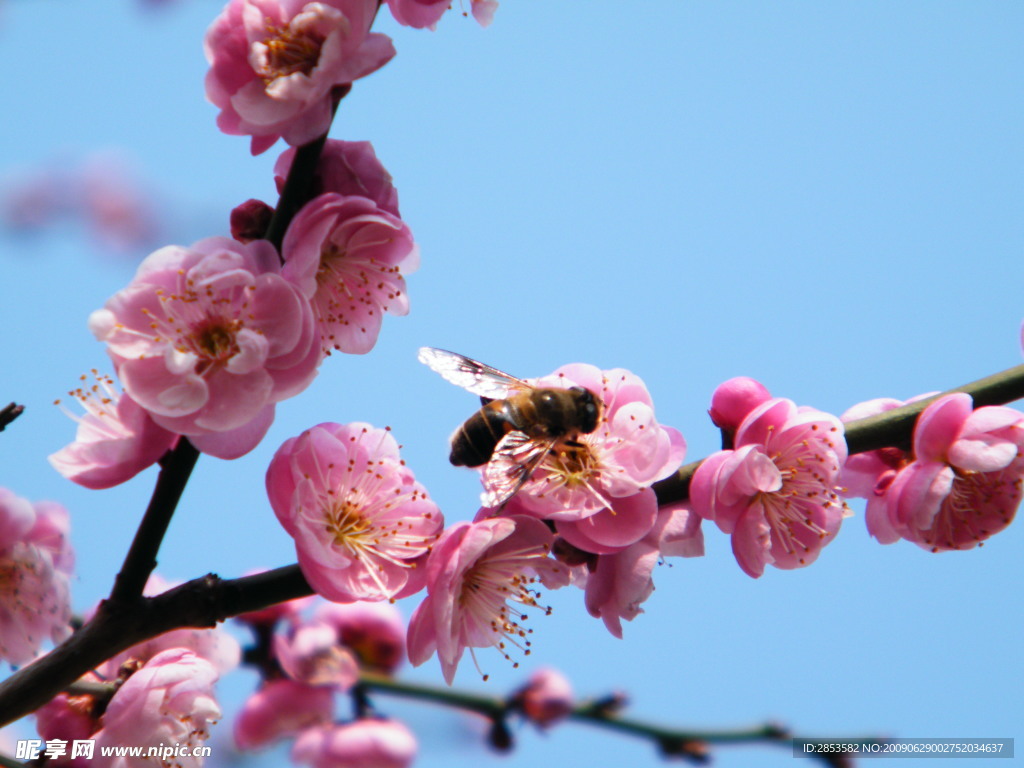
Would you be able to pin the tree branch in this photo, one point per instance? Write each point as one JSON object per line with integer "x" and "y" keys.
{"x": 117, "y": 626}
{"x": 176, "y": 468}
{"x": 677, "y": 742}
{"x": 9, "y": 413}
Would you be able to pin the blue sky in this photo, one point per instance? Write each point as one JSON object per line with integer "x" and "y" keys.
{"x": 825, "y": 196}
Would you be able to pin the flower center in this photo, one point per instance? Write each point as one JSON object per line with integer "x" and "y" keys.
{"x": 290, "y": 51}
{"x": 215, "y": 339}
{"x": 807, "y": 485}
{"x": 978, "y": 505}
{"x": 487, "y": 589}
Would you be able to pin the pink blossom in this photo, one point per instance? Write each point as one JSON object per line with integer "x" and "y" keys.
{"x": 349, "y": 258}
{"x": 777, "y": 492}
{"x": 474, "y": 571}
{"x": 627, "y": 452}
{"x": 616, "y": 584}
{"x": 311, "y": 653}
{"x": 546, "y": 698}
{"x": 281, "y": 708}
{"x": 170, "y": 701}
{"x": 350, "y": 168}
{"x": 613, "y": 529}
{"x": 964, "y": 483}
{"x": 275, "y": 63}
{"x": 361, "y": 744}
{"x": 360, "y": 521}
{"x": 424, "y": 14}
{"x": 375, "y": 632}
{"x": 420, "y": 14}
{"x": 208, "y": 338}
{"x": 734, "y": 399}
{"x": 116, "y": 438}
{"x": 36, "y": 561}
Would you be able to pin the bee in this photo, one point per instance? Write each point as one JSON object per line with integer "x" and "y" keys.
{"x": 518, "y": 425}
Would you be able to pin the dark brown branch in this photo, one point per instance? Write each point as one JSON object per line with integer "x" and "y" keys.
{"x": 202, "y": 602}
{"x": 176, "y": 467}
{"x": 688, "y": 743}
{"x": 298, "y": 185}
{"x": 9, "y": 413}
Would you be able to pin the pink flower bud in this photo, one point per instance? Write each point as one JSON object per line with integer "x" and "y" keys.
{"x": 250, "y": 220}
{"x": 546, "y": 698}
{"x": 734, "y": 399}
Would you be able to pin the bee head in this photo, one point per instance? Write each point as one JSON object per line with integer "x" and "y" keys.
{"x": 588, "y": 409}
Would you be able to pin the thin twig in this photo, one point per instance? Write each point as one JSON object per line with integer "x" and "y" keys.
{"x": 9, "y": 413}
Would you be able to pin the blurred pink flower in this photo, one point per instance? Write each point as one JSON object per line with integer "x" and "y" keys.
{"x": 546, "y": 698}
{"x": 478, "y": 574}
{"x": 617, "y": 583}
{"x": 170, "y": 701}
{"x": 360, "y": 520}
{"x": 963, "y": 484}
{"x": 116, "y": 438}
{"x": 69, "y": 718}
{"x": 367, "y": 743}
{"x": 274, "y": 64}
{"x": 348, "y": 168}
{"x": 777, "y": 493}
{"x": 375, "y": 632}
{"x": 627, "y": 452}
{"x": 208, "y": 338}
{"x": 119, "y": 211}
{"x": 349, "y": 258}
{"x": 312, "y": 653}
{"x": 36, "y": 561}
{"x": 281, "y": 708}
{"x": 424, "y": 14}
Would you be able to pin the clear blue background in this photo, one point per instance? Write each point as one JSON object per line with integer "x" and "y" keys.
{"x": 825, "y": 196}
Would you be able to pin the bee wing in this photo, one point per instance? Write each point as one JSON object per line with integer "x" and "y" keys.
{"x": 480, "y": 379}
{"x": 515, "y": 458}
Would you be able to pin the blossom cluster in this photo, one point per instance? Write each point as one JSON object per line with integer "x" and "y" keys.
{"x": 155, "y": 693}
{"x": 207, "y": 339}
{"x": 308, "y": 662}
